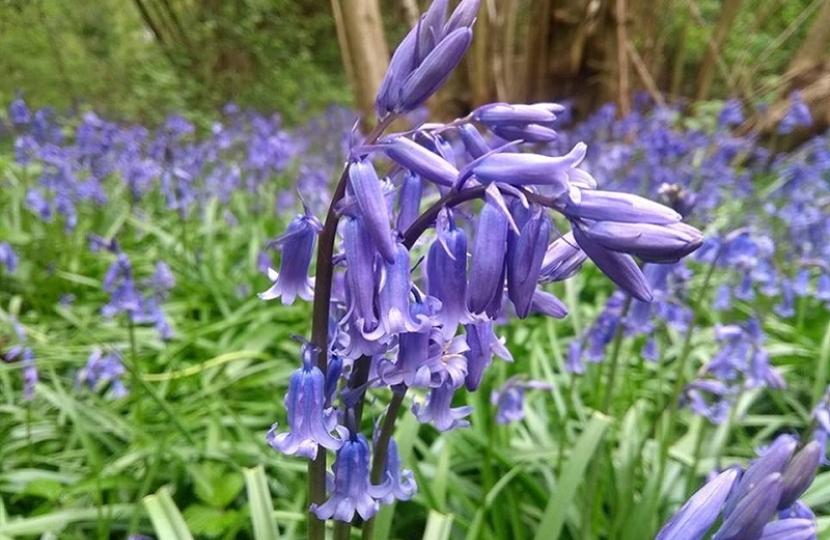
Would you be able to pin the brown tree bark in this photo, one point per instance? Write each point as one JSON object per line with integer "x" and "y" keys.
{"x": 814, "y": 47}
{"x": 363, "y": 48}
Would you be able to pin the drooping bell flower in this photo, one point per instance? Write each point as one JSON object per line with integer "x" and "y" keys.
{"x": 366, "y": 188}
{"x": 409, "y": 201}
{"x": 439, "y": 411}
{"x": 619, "y": 267}
{"x": 310, "y": 422}
{"x": 753, "y": 511}
{"x": 562, "y": 259}
{"x": 393, "y": 298}
{"x": 525, "y": 262}
{"x": 487, "y": 266}
{"x": 353, "y": 491}
{"x": 411, "y": 365}
{"x": 399, "y": 483}
{"x": 447, "y": 277}
{"x": 482, "y": 344}
{"x": 600, "y": 205}
{"x": 297, "y": 246}
{"x": 360, "y": 272}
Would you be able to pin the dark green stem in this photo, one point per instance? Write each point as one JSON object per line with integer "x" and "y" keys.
{"x": 320, "y": 324}
{"x": 381, "y": 448}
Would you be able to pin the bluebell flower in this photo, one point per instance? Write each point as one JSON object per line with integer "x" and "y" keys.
{"x": 562, "y": 260}
{"x": 789, "y": 529}
{"x": 103, "y": 372}
{"x": 798, "y": 115}
{"x": 366, "y": 187}
{"x": 360, "y": 272}
{"x": 352, "y": 491}
{"x": 488, "y": 254}
{"x": 447, "y": 277}
{"x": 524, "y": 262}
{"x": 394, "y": 299}
{"x": 425, "y": 58}
{"x": 8, "y": 257}
{"x": 439, "y": 411}
{"x": 731, "y": 114}
{"x": 297, "y": 246}
{"x": 399, "y": 484}
{"x": 509, "y": 399}
{"x": 409, "y": 201}
{"x": 752, "y": 511}
{"x": 19, "y": 112}
{"x": 482, "y": 344}
{"x": 421, "y": 161}
{"x": 701, "y": 510}
{"x": 310, "y": 422}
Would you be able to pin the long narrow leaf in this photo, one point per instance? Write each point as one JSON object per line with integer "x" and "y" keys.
{"x": 554, "y": 517}
{"x": 439, "y": 526}
{"x": 262, "y": 507}
{"x": 167, "y": 520}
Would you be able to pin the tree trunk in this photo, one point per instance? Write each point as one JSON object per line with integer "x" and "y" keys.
{"x": 363, "y": 48}
{"x": 813, "y": 48}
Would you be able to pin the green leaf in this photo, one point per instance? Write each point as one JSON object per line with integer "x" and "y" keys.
{"x": 554, "y": 517}
{"x": 439, "y": 526}
{"x": 167, "y": 520}
{"x": 208, "y": 521}
{"x": 260, "y": 503}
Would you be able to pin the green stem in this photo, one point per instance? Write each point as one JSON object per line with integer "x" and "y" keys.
{"x": 680, "y": 381}
{"x": 320, "y": 323}
{"x": 342, "y": 530}
{"x": 135, "y": 373}
{"x": 381, "y": 448}
{"x": 593, "y": 478}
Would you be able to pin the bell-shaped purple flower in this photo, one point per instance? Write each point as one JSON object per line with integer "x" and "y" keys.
{"x": 615, "y": 206}
{"x": 753, "y": 511}
{"x": 366, "y": 188}
{"x": 297, "y": 246}
{"x": 799, "y": 473}
{"x": 426, "y": 57}
{"x": 519, "y": 169}
{"x": 360, "y": 272}
{"x": 411, "y": 366}
{"x": 619, "y": 267}
{"x": 447, "y": 278}
{"x": 649, "y": 242}
{"x": 8, "y": 257}
{"x": 483, "y": 344}
{"x": 409, "y": 201}
{"x": 352, "y": 490}
{"x": 310, "y": 422}
{"x": 487, "y": 267}
{"x": 474, "y": 143}
{"x": 399, "y": 484}
{"x": 789, "y": 529}
{"x": 562, "y": 259}
{"x": 420, "y": 160}
{"x": 525, "y": 262}
{"x": 393, "y": 298}
{"x": 438, "y": 409}
{"x": 701, "y": 510}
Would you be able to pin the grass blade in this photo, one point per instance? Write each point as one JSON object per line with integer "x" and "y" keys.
{"x": 262, "y": 507}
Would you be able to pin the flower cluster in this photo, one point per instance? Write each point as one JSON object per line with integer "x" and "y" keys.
{"x": 505, "y": 222}
{"x": 141, "y": 302}
{"x": 759, "y": 503}
{"x": 103, "y": 372}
